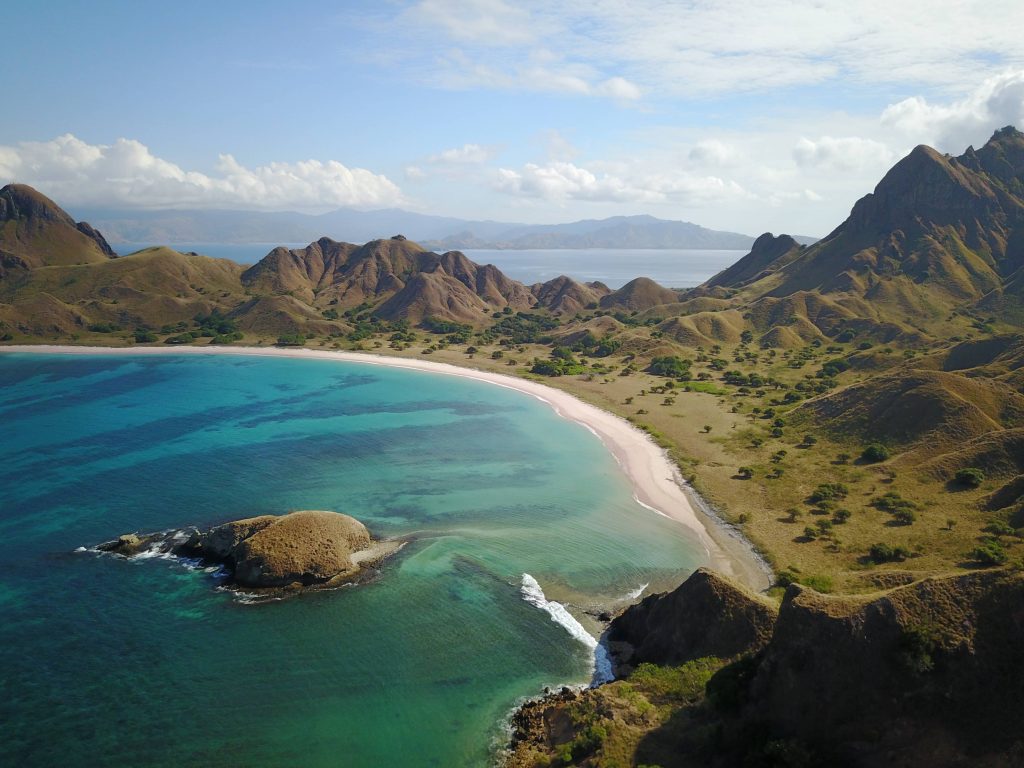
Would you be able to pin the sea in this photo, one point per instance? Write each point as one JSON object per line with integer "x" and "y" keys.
{"x": 672, "y": 268}
{"x": 520, "y": 526}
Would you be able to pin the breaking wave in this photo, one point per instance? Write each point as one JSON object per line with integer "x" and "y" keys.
{"x": 534, "y": 595}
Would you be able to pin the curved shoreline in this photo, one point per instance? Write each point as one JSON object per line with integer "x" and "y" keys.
{"x": 657, "y": 484}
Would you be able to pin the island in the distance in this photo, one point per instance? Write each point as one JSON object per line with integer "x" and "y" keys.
{"x": 291, "y": 552}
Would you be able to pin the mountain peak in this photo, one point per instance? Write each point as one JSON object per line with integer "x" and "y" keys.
{"x": 20, "y": 201}
{"x": 43, "y": 234}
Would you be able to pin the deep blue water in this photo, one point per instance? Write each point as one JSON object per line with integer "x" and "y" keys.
{"x": 105, "y": 661}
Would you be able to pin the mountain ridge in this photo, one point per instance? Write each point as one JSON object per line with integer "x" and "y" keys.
{"x": 433, "y": 232}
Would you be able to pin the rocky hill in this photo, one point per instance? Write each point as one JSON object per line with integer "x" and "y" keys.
{"x": 59, "y": 278}
{"x": 928, "y": 674}
{"x": 35, "y": 232}
{"x": 938, "y": 233}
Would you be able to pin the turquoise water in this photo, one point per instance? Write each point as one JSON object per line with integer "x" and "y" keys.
{"x": 105, "y": 661}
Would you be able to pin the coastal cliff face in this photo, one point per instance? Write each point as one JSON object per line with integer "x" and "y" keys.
{"x": 925, "y": 675}
{"x": 707, "y": 615}
{"x": 929, "y": 674}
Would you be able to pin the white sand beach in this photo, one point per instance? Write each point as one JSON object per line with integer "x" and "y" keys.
{"x": 657, "y": 484}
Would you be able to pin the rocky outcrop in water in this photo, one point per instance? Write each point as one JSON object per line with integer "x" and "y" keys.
{"x": 299, "y": 549}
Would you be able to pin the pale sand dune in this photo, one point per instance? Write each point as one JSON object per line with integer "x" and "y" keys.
{"x": 656, "y": 481}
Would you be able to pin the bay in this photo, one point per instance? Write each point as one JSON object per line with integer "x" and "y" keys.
{"x": 105, "y": 661}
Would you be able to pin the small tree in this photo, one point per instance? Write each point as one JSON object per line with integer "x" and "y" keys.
{"x": 745, "y": 473}
{"x": 707, "y": 428}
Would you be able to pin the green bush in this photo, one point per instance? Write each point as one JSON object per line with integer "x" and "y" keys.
{"x": 291, "y": 340}
{"x": 828, "y": 492}
{"x": 990, "y": 553}
{"x": 875, "y": 452}
{"x": 727, "y": 690}
{"x": 904, "y": 516}
{"x": 885, "y": 553}
{"x": 972, "y": 477}
{"x": 671, "y": 366}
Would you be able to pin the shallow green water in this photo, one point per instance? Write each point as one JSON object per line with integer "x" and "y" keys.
{"x": 105, "y": 661}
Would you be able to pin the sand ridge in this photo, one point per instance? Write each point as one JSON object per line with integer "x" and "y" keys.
{"x": 657, "y": 484}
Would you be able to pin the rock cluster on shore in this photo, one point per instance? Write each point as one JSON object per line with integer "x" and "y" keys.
{"x": 299, "y": 549}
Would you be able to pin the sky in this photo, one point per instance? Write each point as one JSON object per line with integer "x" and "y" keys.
{"x": 738, "y": 115}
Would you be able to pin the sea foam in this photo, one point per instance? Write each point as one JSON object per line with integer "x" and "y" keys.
{"x": 633, "y": 594}
{"x": 534, "y": 595}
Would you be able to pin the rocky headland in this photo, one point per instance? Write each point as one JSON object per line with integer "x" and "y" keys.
{"x": 925, "y": 674}
{"x": 291, "y": 552}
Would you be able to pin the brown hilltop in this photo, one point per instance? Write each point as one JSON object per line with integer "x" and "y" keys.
{"x": 707, "y": 615}
{"x": 767, "y": 252}
{"x": 908, "y": 406}
{"x": 405, "y": 280}
{"x": 563, "y": 294}
{"x": 35, "y": 232}
{"x": 639, "y": 294}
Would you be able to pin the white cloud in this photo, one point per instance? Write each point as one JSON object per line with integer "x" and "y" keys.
{"x": 842, "y": 154}
{"x": 618, "y": 88}
{"x": 996, "y": 102}
{"x": 608, "y": 48}
{"x": 127, "y": 173}
{"x": 712, "y": 152}
{"x": 485, "y": 22}
{"x": 560, "y": 181}
{"x": 414, "y": 173}
{"x": 467, "y": 154}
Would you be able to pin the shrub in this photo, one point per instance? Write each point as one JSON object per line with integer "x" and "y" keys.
{"x": 291, "y": 340}
{"x": 875, "y": 452}
{"x": 841, "y": 516}
{"x": 971, "y": 477}
{"x": 828, "y": 492}
{"x": 728, "y": 689}
{"x": 892, "y": 503}
{"x": 990, "y": 553}
{"x": 904, "y": 516}
{"x": 670, "y": 365}
{"x": 884, "y": 553}
{"x": 917, "y": 647}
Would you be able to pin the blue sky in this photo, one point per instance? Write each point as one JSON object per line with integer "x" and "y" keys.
{"x": 735, "y": 115}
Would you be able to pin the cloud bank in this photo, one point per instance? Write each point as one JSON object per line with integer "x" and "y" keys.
{"x": 621, "y": 51}
{"x": 127, "y": 174}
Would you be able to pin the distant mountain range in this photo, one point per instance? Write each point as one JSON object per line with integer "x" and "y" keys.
{"x": 435, "y": 232}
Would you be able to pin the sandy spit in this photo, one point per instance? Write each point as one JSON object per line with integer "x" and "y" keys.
{"x": 657, "y": 484}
